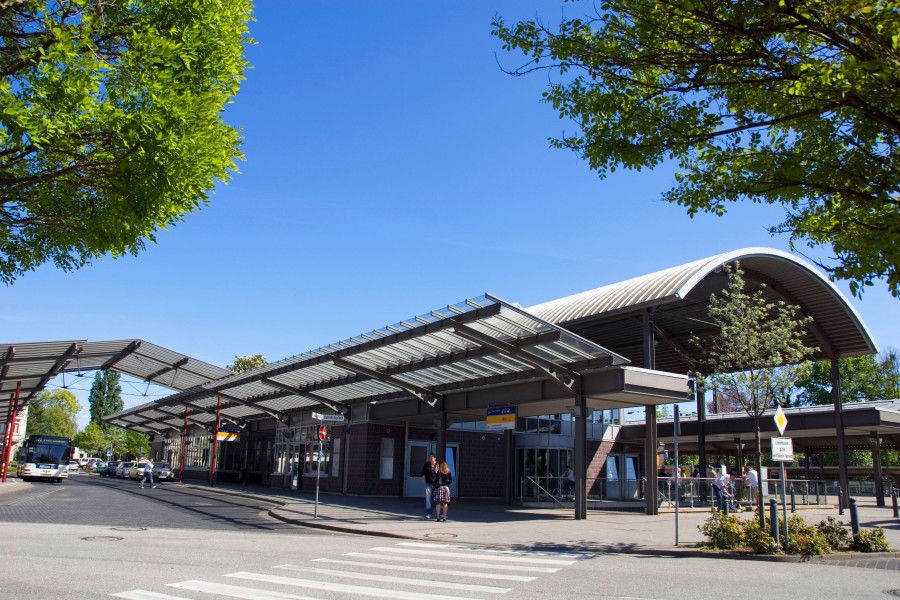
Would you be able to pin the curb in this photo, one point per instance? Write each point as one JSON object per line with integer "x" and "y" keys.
{"x": 686, "y": 552}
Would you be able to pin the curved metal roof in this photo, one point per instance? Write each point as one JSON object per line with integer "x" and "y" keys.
{"x": 676, "y": 294}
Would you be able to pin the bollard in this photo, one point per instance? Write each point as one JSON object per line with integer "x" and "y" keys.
{"x": 773, "y": 519}
{"x": 725, "y": 502}
{"x": 840, "y": 500}
{"x": 894, "y": 502}
{"x": 793, "y": 500}
{"x": 854, "y": 517}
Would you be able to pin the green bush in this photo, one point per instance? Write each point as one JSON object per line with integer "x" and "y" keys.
{"x": 837, "y": 535}
{"x": 806, "y": 539}
{"x": 723, "y": 532}
{"x": 758, "y": 539}
{"x": 871, "y": 540}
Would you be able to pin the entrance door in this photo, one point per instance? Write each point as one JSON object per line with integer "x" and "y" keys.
{"x": 417, "y": 453}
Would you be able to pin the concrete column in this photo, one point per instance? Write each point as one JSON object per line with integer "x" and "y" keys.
{"x": 701, "y": 427}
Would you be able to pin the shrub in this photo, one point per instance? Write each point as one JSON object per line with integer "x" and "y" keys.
{"x": 806, "y": 539}
{"x": 724, "y": 533}
{"x": 758, "y": 539}
{"x": 837, "y": 535}
{"x": 871, "y": 540}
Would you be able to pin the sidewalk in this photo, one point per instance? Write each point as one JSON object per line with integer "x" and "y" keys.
{"x": 484, "y": 522}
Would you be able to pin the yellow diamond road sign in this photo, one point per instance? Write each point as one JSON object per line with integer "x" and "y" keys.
{"x": 780, "y": 420}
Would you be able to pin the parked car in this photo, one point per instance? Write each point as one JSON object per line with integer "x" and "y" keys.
{"x": 96, "y": 465}
{"x": 122, "y": 469}
{"x": 163, "y": 472}
{"x": 73, "y": 466}
{"x": 137, "y": 470}
{"x": 110, "y": 470}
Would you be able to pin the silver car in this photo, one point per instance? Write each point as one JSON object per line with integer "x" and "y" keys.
{"x": 122, "y": 469}
{"x": 137, "y": 470}
{"x": 162, "y": 471}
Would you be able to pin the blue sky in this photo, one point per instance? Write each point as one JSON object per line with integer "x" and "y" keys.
{"x": 391, "y": 168}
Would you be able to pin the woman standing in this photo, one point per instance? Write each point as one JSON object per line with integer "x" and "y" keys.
{"x": 442, "y": 481}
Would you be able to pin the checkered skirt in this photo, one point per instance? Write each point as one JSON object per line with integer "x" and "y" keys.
{"x": 441, "y": 495}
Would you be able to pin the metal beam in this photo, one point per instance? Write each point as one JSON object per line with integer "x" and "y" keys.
{"x": 129, "y": 349}
{"x": 314, "y": 397}
{"x": 556, "y": 373}
{"x": 173, "y": 367}
{"x": 425, "y": 395}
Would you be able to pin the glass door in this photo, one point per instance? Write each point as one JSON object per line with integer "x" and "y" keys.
{"x": 417, "y": 454}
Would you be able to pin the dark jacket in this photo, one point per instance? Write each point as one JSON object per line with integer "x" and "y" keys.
{"x": 442, "y": 479}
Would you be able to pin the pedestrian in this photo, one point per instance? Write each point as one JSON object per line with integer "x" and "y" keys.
{"x": 148, "y": 475}
{"x": 442, "y": 481}
{"x": 722, "y": 490}
{"x": 751, "y": 478}
{"x": 429, "y": 469}
{"x": 568, "y": 481}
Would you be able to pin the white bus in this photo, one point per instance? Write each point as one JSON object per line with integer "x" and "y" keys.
{"x": 44, "y": 457}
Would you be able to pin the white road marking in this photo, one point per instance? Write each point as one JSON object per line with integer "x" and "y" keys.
{"x": 453, "y": 563}
{"x": 145, "y": 595}
{"x": 235, "y": 591}
{"x": 340, "y": 587}
{"x": 576, "y": 555}
{"x": 430, "y": 583}
{"x": 393, "y": 567}
{"x": 519, "y": 559}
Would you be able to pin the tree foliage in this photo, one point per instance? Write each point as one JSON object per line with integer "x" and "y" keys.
{"x": 111, "y": 122}
{"x": 247, "y": 363}
{"x": 91, "y": 439}
{"x": 790, "y": 102}
{"x": 863, "y": 378}
{"x": 53, "y": 413}
{"x": 105, "y": 397}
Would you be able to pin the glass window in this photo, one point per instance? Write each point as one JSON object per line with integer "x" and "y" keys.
{"x": 386, "y": 470}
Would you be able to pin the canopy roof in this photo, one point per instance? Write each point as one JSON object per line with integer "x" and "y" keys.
{"x": 479, "y": 343}
{"x": 31, "y": 365}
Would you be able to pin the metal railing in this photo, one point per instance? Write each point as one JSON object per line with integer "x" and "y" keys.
{"x": 691, "y": 492}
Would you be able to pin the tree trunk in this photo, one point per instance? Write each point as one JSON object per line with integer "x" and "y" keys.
{"x": 759, "y": 494}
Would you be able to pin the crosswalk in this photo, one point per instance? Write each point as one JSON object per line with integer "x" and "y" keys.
{"x": 404, "y": 571}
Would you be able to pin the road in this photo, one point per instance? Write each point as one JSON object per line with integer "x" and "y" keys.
{"x": 94, "y": 538}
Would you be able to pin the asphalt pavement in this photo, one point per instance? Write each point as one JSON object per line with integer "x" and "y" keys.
{"x": 484, "y": 522}
{"x": 487, "y": 522}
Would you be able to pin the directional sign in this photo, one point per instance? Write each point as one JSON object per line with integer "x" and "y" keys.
{"x": 328, "y": 418}
{"x": 780, "y": 420}
{"x": 782, "y": 449}
{"x": 501, "y": 418}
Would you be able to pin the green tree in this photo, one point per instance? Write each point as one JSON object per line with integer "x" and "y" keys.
{"x": 111, "y": 122}
{"x": 91, "y": 439}
{"x": 134, "y": 443}
{"x": 789, "y": 102}
{"x": 53, "y": 413}
{"x": 247, "y": 363}
{"x": 753, "y": 355}
{"x": 105, "y": 397}
{"x": 863, "y": 378}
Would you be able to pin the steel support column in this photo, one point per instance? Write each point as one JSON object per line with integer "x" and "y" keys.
{"x": 699, "y": 393}
{"x": 215, "y": 448}
{"x": 183, "y": 445}
{"x": 651, "y": 493}
{"x": 876, "y": 462}
{"x": 836, "y": 397}
{"x": 12, "y": 416}
{"x": 580, "y": 424}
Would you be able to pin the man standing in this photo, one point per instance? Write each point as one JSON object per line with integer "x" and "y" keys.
{"x": 751, "y": 478}
{"x": 722, "y": 491}
{"x": 429, "y": 471}
{"x": 148, "y": 475}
